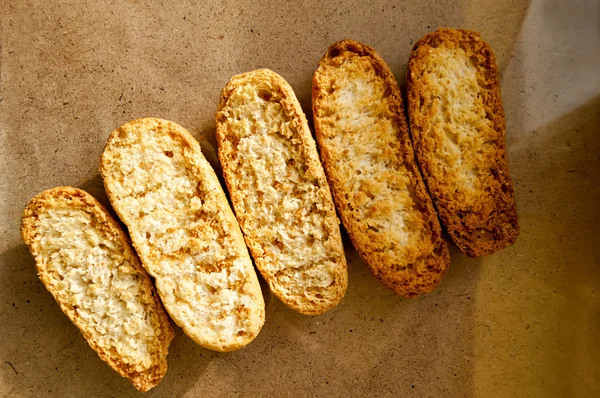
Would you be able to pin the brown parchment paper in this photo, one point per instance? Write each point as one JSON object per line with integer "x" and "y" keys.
{"x": 522, "y": 322}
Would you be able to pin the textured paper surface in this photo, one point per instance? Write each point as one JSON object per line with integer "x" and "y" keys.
{"x": 522, "y": 322}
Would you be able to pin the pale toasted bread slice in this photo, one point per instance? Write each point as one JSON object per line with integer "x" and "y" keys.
{"x": 279, "y": 191}
{"x": 367, "y": 153}
{"x": 85, "y": 260}
{"x": 458, "y": 128}
{"x": 184, "y": 231}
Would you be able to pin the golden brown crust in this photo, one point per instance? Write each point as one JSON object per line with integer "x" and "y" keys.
{"x": 295, "y": 273}
{"x": 79, "y": 199}
{"x": 478, "y": 212}
{"x": 367, "y": 153}
{"x": 218, "y": 301}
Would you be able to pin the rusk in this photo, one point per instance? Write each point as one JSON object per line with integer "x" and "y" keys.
{"x": 368, "y": 157}
{"x": 85, "y": 260}
{"x": 184, "y": 231}
{"x": 279, "y": 191}
{"x": 458, "y": 128}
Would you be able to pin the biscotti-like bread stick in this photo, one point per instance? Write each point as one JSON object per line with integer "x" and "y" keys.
{"x": 184, "y": 231}
{"x": 279, "y": 191}
{"x": 85, "y": 260}
{"x": 367, "y": 153}
{"x": 458, "y": 128}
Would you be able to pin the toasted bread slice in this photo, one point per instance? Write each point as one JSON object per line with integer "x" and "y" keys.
{"x": 279, "y": 191}
{"x": 184, "y": 231}
{"x": 85, "y": 260}
{"x": 367, "y": 153}
{"x": 458, "y": 128}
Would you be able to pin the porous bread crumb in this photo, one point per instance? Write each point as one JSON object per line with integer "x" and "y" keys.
{"x": 279, "y": 192}
{"x": 360, "y": 133}
{"x": 368, "y": 158}
{"x": 85, "y": 261}
{"x": 90, "y": 273}
{"x": 458, "y": 124}
{"x": 180, "y": 223}
{"x": 458, "y": 128}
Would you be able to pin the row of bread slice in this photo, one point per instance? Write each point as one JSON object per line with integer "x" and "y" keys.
{"x": 188, "y": 239}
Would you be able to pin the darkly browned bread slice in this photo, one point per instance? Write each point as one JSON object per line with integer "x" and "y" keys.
{"x": 184, "y": 231}
{"x": 367, "y": 153}
{"x": 458, "y": 128}
{"x": 85, "y": 260}
{"x": 279, "y": 191}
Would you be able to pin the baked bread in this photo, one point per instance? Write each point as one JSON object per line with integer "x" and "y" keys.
{"x": 368, "y": 157}
{"x": 279, "y": 191}
{"x": 85, "y": 260}
{"x": 184, "y": 231}
{"x": 458, "y": 129}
